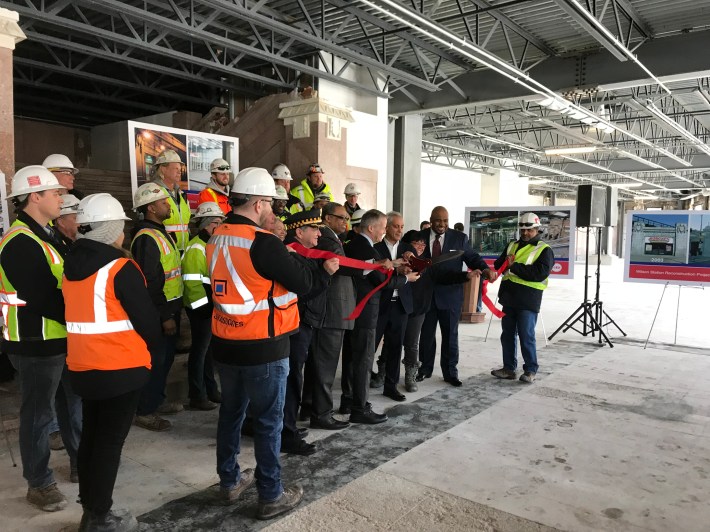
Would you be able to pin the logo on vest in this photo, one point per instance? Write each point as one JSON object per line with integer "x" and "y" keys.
{"x": 220, "y": 287}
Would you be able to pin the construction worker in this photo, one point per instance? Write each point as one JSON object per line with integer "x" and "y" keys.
{"x": 217, "y": 190}
{"x": 154, "y": 250}
{"x": 254, "y": 285}
{"x": 352, "y": 193}
{"x": 66, "y": 225}
{"x": 112, "y": 326}
{"x": 282, "y": 177}
{"x": 280, "y": 206}
{"x": 530, "y": 261}
{"x": 321, "y": 200}
{"x": 309, "y": 187}
{"x": 63, "y": 169}
{"x": 168, "y": 172}
{"x": 197, "y": 298}
{"x": 34, "y": 334}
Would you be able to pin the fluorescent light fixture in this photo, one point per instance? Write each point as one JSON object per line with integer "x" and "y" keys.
{"x": 675, "y": 126}
{"x": 625, "y": 185}
{"x": 641, "y": 160}
{"x": 536, "y": 181}
{"x": 571, "y": 150}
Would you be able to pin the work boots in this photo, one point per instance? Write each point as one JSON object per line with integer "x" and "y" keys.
{"x": 410, "y": 375}
{"x": 377, "y": 380}
{"x": 112, "y": 521}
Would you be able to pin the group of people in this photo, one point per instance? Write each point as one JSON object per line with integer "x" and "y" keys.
{"x": 279, "y": 284}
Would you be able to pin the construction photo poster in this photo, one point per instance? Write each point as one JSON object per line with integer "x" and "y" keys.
{"x": 668, "y": 247}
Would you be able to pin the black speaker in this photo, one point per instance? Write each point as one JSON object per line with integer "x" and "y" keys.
{"x": 591, "y": 206}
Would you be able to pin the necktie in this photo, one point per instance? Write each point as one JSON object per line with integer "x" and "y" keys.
{"x": 436, "y": 247}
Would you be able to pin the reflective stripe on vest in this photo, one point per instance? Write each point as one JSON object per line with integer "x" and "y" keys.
{"x": 179, "y": 220}
{"x": 194, "y": 276}
{"x": 527, "y": 256}
{"x": 10, "y": 301}
{"x": 100, "y": 334}
{"x": 169, "y": 260}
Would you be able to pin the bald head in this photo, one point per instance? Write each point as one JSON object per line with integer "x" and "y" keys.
{"x": 439, "y": 220}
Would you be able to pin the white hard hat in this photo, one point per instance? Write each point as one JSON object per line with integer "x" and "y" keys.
{"x": 148, "y": 193}
{"x": 281, "y": 193}
{"x": 33, "y": 178}
{"x": 100, "y": 207}
{"x": 168, "y": 156}
{"x": 220, "y": 165}
{"x": 281, "y": 171}
{"x": 69, "y": 204}
{"x": 351, "y": 189}
{"x": 529, "y": 219}
{"x": 254, "y": 181}
{"x": 57, "y": 161}
{"x": 357, "y": 216}
{"x": 208, "y": 209}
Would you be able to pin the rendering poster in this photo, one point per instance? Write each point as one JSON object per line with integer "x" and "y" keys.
{"x": 147, "y": 141}
{"x": 490, "y": 230}
{"x": 668, "y": 246}
{"x": 4, "y": 217}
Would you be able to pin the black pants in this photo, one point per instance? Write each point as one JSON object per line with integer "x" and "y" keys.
{"x": 346, "y": 371}
{"x": 294, "y": 383}
{"x": 448, "y": 320}
{"x": 325, "y": 351}
{"x": 105, "y": 427}
{"x": 363, "y": 353}
{"x": 200, "y": 371}
{"x": 391, "y": 325}
{"x": 411, "y": 339}
{"x": 154, "y": 392}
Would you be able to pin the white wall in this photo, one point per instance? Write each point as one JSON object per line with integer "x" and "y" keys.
{"x": 453, "y": 188}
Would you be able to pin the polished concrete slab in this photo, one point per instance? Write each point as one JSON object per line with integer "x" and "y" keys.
{"x": 606, "y": 439}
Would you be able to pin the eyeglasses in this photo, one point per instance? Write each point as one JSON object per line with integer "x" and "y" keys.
{"x": 526, "y": 224}
{"x": 269, "y": 201}
{"x": 223, "y": 168}
{"x": 67, "y": 172}
{"x": 343, "y": 218}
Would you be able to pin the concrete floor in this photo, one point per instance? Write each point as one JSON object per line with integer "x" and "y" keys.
{"x": 606, "y": 439}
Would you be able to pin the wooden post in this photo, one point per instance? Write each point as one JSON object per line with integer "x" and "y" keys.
{"x": 470, "y": 300}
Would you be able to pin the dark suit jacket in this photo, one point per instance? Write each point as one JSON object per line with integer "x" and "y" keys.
{"x": 405, "y": 293}
{"x": 340, "y": 299}
{"x": 359, "y": 248}
{"x": 447, "y": 295}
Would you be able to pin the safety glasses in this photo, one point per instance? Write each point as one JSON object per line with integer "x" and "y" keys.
{"x": 526, "y": 224}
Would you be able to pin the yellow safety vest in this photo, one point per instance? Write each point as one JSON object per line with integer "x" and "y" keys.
{"x": 194, "y": 274}
{"x": 178, "y": 223}
{"x": 527, "y": 255}
{"x": 305, "y": 194}
{"x": 169, "y": 260}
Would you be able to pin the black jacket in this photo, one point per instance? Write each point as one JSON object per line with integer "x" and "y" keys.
{"x": 26, "y": 267}
{"x": 519, "y": 296}
{"x": 311, "y": 306}
{"x": 147, "y": 254}
{"x": 84, "y": 260}
{"x": 406, "y": 298}
{"x": 340, "y": 297}
{"x": 271, "y": 260}
{"x": 360, "y": 248}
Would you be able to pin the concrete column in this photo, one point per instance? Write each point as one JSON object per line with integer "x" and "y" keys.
{"x": 10, "y": 35}
{"x": 407, "y": 168}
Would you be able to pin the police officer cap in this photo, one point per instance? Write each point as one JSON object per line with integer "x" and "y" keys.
{"x": 303, "y": 218}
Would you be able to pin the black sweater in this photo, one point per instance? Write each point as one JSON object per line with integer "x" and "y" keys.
{"x": 26, "y": 267}
{"x": 84, "y": 260}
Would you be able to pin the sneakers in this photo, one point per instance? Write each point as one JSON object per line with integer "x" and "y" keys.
{"x": 55, "y": 441}
{"x": 504, "y": 373}
{"x": 152, "y": 422}
{"x": 527, "y": 377}
{"x": 202, "y": 404}
{"x": 170, "y": 407}
{"x": 289, "y": 499}
{"x": 245, "y": 481}
{"x": 113, "y": 521}
{"x": 48, "y": 499}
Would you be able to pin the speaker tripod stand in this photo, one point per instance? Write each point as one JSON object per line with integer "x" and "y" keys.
{"x": 590, "y": 314}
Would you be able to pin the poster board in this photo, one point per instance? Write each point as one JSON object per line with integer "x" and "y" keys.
{"x": 147, "y": 141}
{"x": 667, "y": 246}
{"x": 490, "y": 229}
{"x": 4, "y": 207}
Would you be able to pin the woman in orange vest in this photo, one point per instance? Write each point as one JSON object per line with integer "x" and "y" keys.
{"x": 112, "y": 329}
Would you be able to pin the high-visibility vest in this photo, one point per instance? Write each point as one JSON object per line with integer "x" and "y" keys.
{"x": 178, "y": 223}
{"x": 100, "y": 335}
{"x": 169, "y": 260}
{"x": 247, "y": 306}
{"x": 194, "y": 274}
{"x": 527, "y": 255}
{"x": 220, "y": 198}
{"x": 305, "y": 194}
{"x": 9, "y": 299}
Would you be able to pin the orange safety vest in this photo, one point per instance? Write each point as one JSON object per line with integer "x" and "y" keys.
{"x": 100, "y": 336}
{"x": 209, "y": 194}
{"x": 247, "y": 306}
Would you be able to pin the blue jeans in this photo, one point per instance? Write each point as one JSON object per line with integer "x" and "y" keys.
{"x": 262, "y": 388}
{"x": 44, "y": 383}
{"x": 522, "y": 323}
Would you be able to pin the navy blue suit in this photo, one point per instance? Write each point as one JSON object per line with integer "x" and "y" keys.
{"x": 446, "y": 304}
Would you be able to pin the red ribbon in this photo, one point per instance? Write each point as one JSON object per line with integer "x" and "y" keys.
{"x": 498, "y": 313}
{"x": 350, "y": 263}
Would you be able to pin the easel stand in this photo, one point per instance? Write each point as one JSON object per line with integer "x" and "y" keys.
{"x": 677, "y": 309}
{"x": 590, "y": 314}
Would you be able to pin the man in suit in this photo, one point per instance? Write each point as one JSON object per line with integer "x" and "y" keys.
{"x": 447, "y": 300}
{"x": 395, "y": 306}
{"x": 361, "y": 247}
